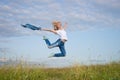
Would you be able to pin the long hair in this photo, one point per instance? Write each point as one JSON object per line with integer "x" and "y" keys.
{"x": 55, "y": 24}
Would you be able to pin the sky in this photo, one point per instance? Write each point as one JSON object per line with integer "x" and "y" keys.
{"x": 93, "y": 30}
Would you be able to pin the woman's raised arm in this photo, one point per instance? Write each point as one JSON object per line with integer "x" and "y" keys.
{"x": 65, "y": 26}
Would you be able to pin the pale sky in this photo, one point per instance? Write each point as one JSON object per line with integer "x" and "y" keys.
{"x": 93, "y": 29}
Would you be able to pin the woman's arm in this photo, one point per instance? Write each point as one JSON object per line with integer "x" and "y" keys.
{"x": 53, "y": 31}
{"x": 65, "y": 26}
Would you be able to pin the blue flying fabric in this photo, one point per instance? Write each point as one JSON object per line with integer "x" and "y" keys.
{"x": 31, "y": 27}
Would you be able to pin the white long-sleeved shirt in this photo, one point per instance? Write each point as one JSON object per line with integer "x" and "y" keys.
{"x": 62, "y": 34}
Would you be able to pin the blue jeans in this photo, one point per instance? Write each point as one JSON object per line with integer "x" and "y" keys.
{"x": 59, "y": 43}
{"x": 31, "y": 27}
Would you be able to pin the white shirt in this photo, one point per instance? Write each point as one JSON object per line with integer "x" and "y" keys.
{"x": 62, "y": 34}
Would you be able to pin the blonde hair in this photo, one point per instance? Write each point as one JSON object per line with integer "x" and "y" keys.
{"x": 54, "y": 23}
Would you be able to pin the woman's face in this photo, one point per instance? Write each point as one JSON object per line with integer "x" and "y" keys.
{"x": 59, "y": 24}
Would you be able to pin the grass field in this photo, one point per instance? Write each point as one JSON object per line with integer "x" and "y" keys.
{"x": 93, "y": 72}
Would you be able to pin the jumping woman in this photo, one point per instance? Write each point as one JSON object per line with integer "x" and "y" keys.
{"x": 59, "y": 30}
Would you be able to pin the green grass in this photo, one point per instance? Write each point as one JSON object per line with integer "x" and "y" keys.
{"x": 93, "y": 72}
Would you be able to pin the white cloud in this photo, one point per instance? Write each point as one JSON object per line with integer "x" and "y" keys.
{"x": 109, "y": 3}
{"x": 42, "y": 12}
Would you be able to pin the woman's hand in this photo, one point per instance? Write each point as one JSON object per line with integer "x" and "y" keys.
{"x": 65, "y": 25}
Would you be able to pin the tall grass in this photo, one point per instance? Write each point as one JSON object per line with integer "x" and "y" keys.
{"x": 93, "y": 72}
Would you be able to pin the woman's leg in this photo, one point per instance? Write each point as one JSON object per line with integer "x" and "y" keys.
{"x": 47, "y": 42}
{"x": 62, "y": 49}
{"x": 59, "y": 44}
{"x": 55, "y": 44}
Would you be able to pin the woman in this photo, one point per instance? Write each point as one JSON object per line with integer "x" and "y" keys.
{"x": 59, "y": 30}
